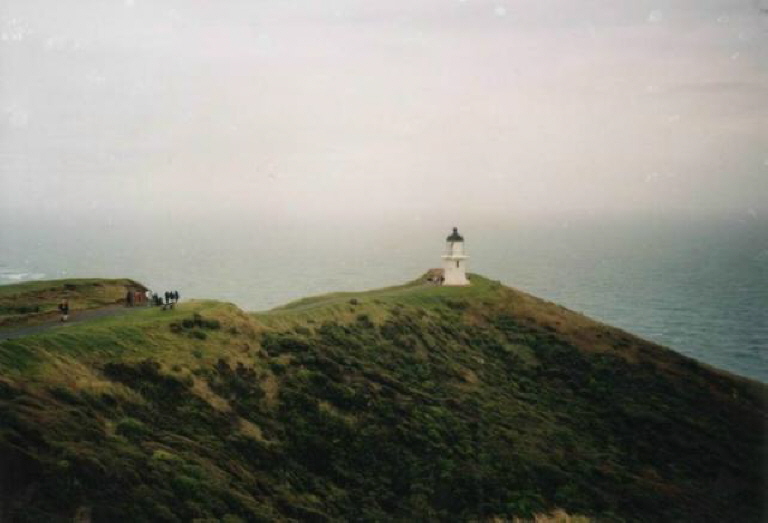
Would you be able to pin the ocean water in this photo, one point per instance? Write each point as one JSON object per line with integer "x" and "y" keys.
{"x": 697, "y": 285}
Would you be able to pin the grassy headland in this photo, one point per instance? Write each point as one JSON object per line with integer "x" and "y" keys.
{"x": 411, "y": 403}
{"x": 36, "y": 301}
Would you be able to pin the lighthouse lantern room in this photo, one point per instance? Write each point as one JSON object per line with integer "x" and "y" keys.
{"x": 454, "y": 260}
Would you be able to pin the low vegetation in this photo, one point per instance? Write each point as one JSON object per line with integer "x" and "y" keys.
{"x": 414, "y": 403}
{"x": 36, "y": 301}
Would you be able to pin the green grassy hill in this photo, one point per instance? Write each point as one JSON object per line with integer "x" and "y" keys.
{"x": 411, "y": 403}
{"x": 36, "y": 301}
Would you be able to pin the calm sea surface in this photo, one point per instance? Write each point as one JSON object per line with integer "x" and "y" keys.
{"x": 699, "y": 286}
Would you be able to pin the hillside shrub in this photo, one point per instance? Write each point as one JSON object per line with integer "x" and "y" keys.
{"x": 19, "y": 309}
{"x": 277, "y": 344}
{"x": 212, "y": 324}
{"x": 198, "y": 321}
{"x": 131, "y": 428}
{"x": 199, "y": 335}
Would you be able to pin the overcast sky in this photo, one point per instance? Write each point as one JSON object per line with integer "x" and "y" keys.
{"x": 335, "y": 106}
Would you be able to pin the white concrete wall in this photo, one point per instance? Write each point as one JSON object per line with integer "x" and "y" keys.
{"x": 455, "y": 265}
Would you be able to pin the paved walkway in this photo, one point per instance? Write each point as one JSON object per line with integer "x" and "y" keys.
{"x": 75, "y": 318}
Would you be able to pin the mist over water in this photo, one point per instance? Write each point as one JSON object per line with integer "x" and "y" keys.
{"x": 697, "y": 285}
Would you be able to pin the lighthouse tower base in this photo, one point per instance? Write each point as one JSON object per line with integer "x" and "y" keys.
{"x": 454, "y": 273}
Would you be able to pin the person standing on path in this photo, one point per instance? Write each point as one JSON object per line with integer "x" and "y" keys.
{"x": 64, "y": 310}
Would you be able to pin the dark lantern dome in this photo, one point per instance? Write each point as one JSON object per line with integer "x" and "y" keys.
{"x": 455, "y": 236}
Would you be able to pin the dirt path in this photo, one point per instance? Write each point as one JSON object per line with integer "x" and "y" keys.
{"x": 75, "y": 318}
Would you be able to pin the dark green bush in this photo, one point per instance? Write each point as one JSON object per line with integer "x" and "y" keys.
{"x": 131, "y": 428}
{"x": 277, "y": 344}
{"x": 65, "y": 395}
{"x": 19, "y": 309}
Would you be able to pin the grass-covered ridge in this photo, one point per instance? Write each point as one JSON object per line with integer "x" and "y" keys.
{"x": 37, "y": 301}
{"x": 412, "y": 403}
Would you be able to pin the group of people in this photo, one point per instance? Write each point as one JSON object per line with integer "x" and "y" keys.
{"x": 436, "y": 280}
{"x": 168, "y": 300}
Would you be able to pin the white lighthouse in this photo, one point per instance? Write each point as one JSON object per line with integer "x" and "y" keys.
{"x": 454, "y": 260}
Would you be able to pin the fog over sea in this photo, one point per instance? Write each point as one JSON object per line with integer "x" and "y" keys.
{"x": 697, "y": 285}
